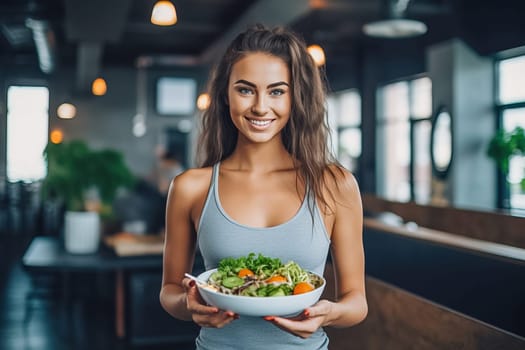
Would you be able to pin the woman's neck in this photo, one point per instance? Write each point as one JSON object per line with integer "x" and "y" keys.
{"x": 259, "y": 157}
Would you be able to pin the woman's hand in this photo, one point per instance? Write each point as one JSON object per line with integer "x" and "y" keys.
{"x": 307, "y": 322}
{"x": 202, "y": 314}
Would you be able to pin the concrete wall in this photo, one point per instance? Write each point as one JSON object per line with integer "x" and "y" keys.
{"x": 464, "y": 82}
{"x": 107, "y": 121}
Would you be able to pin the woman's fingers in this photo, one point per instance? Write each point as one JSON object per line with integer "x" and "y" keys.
{"x": 202, "y": 314}
{"x": 187, "y": 283}
{"x": 322, "y": 308}
{"x": 303, "y": 328}
{"x": 195, "y": 303}
{"x": 304, "y": 324}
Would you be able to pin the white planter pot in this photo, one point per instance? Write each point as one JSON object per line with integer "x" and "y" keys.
{"x": 81, "y": 232}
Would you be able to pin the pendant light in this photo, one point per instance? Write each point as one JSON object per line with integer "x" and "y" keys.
{"x": 317, "y": 54}
{"x": 99, "y": 87}
{"x": 203, "y": 101}
{"x": 164, "y": 13}
{"x": 56, "y": 136}
{"x": 66, "y": 111}
{"x": 395, "y": 26}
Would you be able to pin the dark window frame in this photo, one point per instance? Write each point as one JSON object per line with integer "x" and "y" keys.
{"x": 502, "y": 192}
{"x": 412, "y": 122}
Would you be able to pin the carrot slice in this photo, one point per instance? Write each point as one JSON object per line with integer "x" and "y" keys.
{"x": 245, "y": 272}
{"x": 302, "y": 287}
{"x": 276, "y": 279}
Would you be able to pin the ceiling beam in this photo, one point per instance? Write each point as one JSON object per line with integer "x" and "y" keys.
{"x": 45, "y": 43}
{"x": 267, "y": 12}
{"x": 141, "y": 27}
{"x": 91, "y": 24}
{"x": 96, "y": 20}
{"x": 88, "y": 65}
{"x": 377, "y": 7}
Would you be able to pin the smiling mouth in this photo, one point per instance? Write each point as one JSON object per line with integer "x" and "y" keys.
{"x": 258, "y": 122}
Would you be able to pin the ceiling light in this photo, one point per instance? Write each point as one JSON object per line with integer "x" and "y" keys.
{"x": 164, "y": 14}
{"x": 99, "y": 87}
{"x": 395, "y": 28}
{"x": 203, "y": 101}
{"x": 395, "y": 25}
{"x": 56, "y": 136}
{"x": 66, "y": 111}
{"x": 317, "y": 54}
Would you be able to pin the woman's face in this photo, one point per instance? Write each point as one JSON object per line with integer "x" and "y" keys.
{"x": 259, "y": 97}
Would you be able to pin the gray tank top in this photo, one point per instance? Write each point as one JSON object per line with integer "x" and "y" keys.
{"x": 302, "y": 239}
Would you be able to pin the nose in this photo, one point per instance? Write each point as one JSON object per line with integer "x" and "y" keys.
{"x": 260, "y": 106}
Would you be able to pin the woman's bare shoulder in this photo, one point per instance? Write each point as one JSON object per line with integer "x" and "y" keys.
{"x": 342, "y": 183}
{"x": 192, "y": 182}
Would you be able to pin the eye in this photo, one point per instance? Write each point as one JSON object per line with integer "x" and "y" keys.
{"x": 277, "y": 92}
{"x": 244, "y": 90}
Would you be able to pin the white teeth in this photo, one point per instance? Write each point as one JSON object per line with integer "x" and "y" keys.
{"x": 260, "y": 122}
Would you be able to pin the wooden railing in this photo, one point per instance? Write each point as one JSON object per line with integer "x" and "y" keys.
{"x": 481, "y": 279}
{"x": 482, "y": 225}
{"x": 398, "y": 320}
{"x": 428, "y": 289}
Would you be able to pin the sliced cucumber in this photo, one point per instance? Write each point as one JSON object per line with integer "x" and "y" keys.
{"x": 232, "y": 282}
{"x": 277, "y": 293}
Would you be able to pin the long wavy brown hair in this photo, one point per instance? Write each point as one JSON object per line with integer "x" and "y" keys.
{"x": 306, "y": 134}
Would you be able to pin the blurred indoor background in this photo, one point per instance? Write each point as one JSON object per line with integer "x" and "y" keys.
{"x": 426, "y": 102}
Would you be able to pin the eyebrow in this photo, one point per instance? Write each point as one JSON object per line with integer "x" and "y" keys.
{"x": 242, "y": 81}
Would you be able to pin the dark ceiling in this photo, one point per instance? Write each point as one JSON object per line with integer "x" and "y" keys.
{"x": 94, "y": 33}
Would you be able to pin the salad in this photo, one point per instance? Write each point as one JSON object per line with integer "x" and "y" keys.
{"x": 262, "y": 276}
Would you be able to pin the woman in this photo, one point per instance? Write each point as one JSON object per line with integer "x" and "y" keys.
{"x": 267, "y": 185}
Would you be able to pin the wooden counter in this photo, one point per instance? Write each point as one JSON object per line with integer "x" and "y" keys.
{"x": 484, "y": 280}
{"x": 398, "y": 320}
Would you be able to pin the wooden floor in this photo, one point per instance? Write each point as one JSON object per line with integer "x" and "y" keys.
{"x": 47, "y": 328}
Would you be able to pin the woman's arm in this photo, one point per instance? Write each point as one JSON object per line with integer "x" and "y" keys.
{"x": 178, "y": 295}
{"x": 348, "y": 258}
{"x": 348, "y": 255}
{"x": 179, "y": 247}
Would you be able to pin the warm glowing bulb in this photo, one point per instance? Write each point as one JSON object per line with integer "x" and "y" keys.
{"x": 317, "y": 54}
{"x": 99, "y": 87}
{"x": 203, "y": 101}
{"x": 56, "y": 136}
{"x": 66, "y": 111}
{"x": 164, "y": 14}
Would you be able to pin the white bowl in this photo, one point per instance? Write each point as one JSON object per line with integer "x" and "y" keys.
{"x": 259, "y": 306}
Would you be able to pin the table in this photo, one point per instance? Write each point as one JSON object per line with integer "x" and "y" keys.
{"x": 47, "y": 254}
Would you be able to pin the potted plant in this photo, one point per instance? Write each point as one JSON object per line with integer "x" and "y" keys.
{"x": 86, "y": 182}
{"x": 503, "y": 146}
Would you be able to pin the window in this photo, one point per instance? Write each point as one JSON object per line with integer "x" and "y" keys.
{"x": 403, "y": 140}
{"x": 344, "y": 113}
{"x": 511, "y": 106}
{"x": 176, "y": 96}
{"x": 27, "y": 129}
{"x": 511, "y": 80}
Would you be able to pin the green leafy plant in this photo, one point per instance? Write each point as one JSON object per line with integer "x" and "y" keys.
{"x": 74, "y": 169}
{"x": 506, "y": 144}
